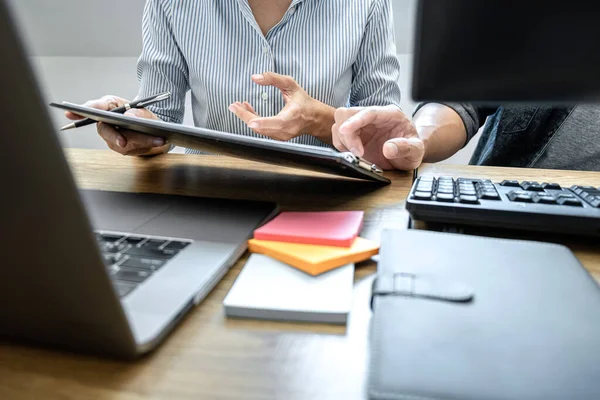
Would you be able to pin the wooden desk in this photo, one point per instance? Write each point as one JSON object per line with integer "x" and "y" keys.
{"x": 208, "y": 356}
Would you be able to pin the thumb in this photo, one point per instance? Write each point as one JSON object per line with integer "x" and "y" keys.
{"x": 404, "y": 153}
{"x": 344, "y": 113}
{"x": 282, "y": 82}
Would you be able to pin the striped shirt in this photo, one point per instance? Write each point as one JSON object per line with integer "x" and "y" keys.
{"x": 342, "y": 52}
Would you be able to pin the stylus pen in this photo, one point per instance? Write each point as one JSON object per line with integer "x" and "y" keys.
{"x": 142, "y": 103}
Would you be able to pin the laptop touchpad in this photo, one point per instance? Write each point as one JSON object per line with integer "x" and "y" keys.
{"x": 115, "y": 211}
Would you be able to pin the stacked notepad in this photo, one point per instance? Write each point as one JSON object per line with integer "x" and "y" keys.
{"x": 314, "y": 242}
{"x": 302, "y": 268}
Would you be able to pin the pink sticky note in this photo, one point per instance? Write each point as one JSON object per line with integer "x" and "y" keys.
{"x": 328, "y": 228}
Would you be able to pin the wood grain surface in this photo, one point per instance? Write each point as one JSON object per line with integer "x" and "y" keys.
{"x": 212, "y": 357}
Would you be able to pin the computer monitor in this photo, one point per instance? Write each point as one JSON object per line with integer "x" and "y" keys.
{"x": 496, "y": 51}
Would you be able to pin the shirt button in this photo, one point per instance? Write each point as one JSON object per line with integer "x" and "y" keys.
{"x": 265, "y": 49}
{"x": 265, "y": 96}
{"x": 292, "y": 10}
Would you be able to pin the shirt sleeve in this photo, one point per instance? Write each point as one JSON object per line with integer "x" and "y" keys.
{"x": 473, "y": 116}
{"x": 161, "y": 66}
{"x": 377, "y": 68}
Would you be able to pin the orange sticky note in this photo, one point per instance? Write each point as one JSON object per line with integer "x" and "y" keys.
{"x": 315, "y": 259}
{"x": 326, "y": 228}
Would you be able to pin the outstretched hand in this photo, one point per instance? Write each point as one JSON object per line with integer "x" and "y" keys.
{"x": 301, "y": 115}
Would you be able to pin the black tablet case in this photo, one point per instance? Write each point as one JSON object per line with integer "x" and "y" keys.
{"x": 464, "y": 317}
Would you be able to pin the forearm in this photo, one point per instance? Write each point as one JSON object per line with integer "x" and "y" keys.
{"x": 442, "y": 131}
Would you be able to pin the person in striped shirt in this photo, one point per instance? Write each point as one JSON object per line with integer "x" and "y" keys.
{"x": 263, "y": 68}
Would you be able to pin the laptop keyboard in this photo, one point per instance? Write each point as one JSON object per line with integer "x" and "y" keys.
{"x": 131, "y": 259}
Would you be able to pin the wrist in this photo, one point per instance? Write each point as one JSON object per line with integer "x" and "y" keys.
{"x": 425, "y": 133}
{"x": 319, "y": 121}
{"x": 425, "y": 147}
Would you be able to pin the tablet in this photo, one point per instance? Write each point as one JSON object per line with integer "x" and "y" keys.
{"x": 314, "y": 158}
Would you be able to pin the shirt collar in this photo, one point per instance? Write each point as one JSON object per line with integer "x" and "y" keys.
{"x": 245, "y": 6}
{"x": 247, "y": 11}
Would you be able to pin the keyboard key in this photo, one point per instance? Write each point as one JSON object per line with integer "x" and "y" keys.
{"x": 446, "y": 186}
{"x": 467, "y": 189}
{"x": 566, "y": 195}
{"x": 520, "y": 196}
{"x": 175, "y": 245}
{"x": 132, "y": 275}
{"x": 510, "y": 183}
{"x": 566, "y": 201}
{"x": 170, "y": 252}
{"x": 446, "y": 189}
{"x": 112, "y": 248}
{"x": 154, "y": 243}
{"x": 107, "y": 237}
{"x": 123, "y": 289}
{"x": 524, "y": 198}
{"x": 545, "y": 198}
{"x": 594, "y": 203}
{"x": 490, "y": 195}
{"x": 487, "y": 186}
{"x": 111, "y": 259}
{"x": 577, "y": 189}
{"x": 143, "y": 263}
{"x": 532, "y": 187}
{"x": 148, "y": 252}
{"x": 468, "y": 199}
{"x": 134, "y": 241}
{"x": 445, "y": 197}
{"x": 590, "y": 190}
{"x": 422, "y": 195}
{"x": 551, "y": 186}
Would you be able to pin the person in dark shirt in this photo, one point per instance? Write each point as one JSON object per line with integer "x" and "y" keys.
{"x": 513, "y": 136}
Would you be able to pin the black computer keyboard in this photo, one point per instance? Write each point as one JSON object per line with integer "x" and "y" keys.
{"x": 507, "y": 204}
{"x": 131, "y": 259}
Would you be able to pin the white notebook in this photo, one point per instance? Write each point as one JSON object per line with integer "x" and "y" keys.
{"x": 269, "y": 289}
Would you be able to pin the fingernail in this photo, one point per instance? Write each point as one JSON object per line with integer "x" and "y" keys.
{"x": 258, "y": 77}
{"x": 355, "y": 151}
{"x": 158, "y": 142}
{"x": 253, "y": 124}
{"x": 121, "y": 143}
{"x": 392, "y": 149}
{"x": 232, "y": 108}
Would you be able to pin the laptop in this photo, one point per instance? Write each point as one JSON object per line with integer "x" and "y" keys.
{"x": 96, "y": 272}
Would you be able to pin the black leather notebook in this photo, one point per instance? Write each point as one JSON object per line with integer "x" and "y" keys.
{"x": 464, "y": 317}
{"x": 313, "y": 158}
